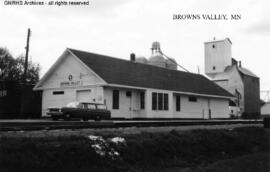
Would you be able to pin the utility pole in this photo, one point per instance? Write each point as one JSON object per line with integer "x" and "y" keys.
{"x": 26, "y": 56}
{"x": 23, "y": 105}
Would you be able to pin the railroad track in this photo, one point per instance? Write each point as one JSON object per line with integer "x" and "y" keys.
{"x": 19, "y": 125}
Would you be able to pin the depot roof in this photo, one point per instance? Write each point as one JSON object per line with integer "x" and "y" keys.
{"x": 130, "y": 73}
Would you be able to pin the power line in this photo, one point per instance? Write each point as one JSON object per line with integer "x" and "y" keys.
{"x": 173, "y": 61}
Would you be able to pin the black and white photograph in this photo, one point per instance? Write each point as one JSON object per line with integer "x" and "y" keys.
{"x": 134, "y": 85}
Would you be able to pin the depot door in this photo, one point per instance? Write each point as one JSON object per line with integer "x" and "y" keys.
{"x": 84, "y": 96}
{"x": 209, "y": 109}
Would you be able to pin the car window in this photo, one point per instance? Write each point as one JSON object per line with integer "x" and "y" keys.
{"x": 91, "y": 106}
{"x": 80, "y": 106}
{"x": 73, "y": 104}
{"x": 85, "y": 106}
{"x": 101, "y": 107}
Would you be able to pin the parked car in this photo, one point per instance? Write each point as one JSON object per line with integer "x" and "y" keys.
{"x": 81, "y": 110}
{"x": 234, "y": 112}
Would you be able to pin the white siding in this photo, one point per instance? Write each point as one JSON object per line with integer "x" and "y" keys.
{"x": 129, "y": 107}
{"x": 84, "y": 95}
{"x": 199, "y": 109}
{"x": 50, "y": 100}
{"x": 158, "y": 113}
{"x": 219, "y": 108}
{"x": 189, "y": 109}
{"x": 87, "y": 79}
{"x": 70, "y": 95}
{"x": 70, "y": 66}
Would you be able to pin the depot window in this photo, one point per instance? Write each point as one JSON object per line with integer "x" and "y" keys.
{"x": 128, "y": 93}
{"x": 178, "y": 103}
{"x": 166, "y": 101}
{"x": 115, "y": 104}
{"x": 142, "y": 98}
{"x": 58, "y": 92}
{"x": 154, "y": 101}
{"x": 192, "y": 99}
{"x": 160, "y": 101}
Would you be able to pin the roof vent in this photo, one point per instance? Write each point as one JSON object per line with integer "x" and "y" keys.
{"x": 132, "y": 57}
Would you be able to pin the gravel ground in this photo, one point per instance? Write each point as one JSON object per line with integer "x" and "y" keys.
{"x": 118, "y": 131}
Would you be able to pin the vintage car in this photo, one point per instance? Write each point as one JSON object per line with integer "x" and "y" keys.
{"x": 80, "y": 110}
{"x": 234, "y": 111}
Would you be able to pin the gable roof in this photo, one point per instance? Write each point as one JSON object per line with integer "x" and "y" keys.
{"x": 124, "y": 72}
{"x": 245, "y": 71}
{"x": 223, "y": 75}
{"x": 228, "y": 70}
{"x": 219, "y": 40}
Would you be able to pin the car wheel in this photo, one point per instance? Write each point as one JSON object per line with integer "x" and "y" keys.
{"x": 85, "y": 119}
{"x": 55, "y": 118}
{"x": 98, "y": 118}
{"x": 67, "y": 116}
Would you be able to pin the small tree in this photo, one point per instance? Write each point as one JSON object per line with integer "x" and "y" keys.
{"x": 7, "y": 65}
{"x": 13, "y": 69}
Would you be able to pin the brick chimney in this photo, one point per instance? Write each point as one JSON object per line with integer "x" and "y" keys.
{"x": 132, "y": 57}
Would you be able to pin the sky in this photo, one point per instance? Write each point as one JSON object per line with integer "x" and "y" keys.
{"x": 120, "y": 27}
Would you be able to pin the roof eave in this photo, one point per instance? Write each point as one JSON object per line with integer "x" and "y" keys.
{"x": 82, "y": 63}
{"x": 178, "y": 92}
{"x": 47, "y": 74}
{"x": 218, "y": 40}
{"x": 38, "y": 86}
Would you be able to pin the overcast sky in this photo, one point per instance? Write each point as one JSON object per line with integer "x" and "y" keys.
{"x": 120, "y": 27}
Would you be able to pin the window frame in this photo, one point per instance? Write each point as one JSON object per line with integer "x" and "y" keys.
{"x": 142, "y": 100}
{"x": 160, "y": 101}
{"x": 192, "y": 99}
{"x": 91, "y": 106}
{"x": 115, "y": 99}
{"x": 128, "y": 93}
{"x": 165, "y": 101}
{"x": 154, "y": 101}
{"x": 58, "y": 92}
{"x": 178, "y": 103}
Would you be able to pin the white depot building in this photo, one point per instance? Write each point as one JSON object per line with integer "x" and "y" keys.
{"x": 135, "y": 88}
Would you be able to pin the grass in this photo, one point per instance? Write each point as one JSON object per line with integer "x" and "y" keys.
{"x": 256, "y": 162}
{"x": 164, "y": 151}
